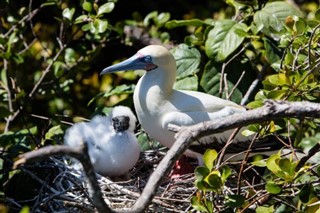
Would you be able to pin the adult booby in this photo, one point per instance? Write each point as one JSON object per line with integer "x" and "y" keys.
{"x": 157, "y": 104}
{"x": 112, "y": 145}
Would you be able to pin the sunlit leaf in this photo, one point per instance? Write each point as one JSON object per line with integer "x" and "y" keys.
{"x": 162, "y": 18}
{"x": 68, "y": 13}
{"x": 272, "y": 16}
{"x": 264, "y": 209}
{"x": 225, "y": 173}
{"x": 273, "y": 188}
{"x": 81, "y": 19}
{"x": 180, "y": 23}
{"x": 106, "y": 8}
{"x": 187, "y": 59}
{"x": 223, "y": 39}
{"x": 101, "y": 25}
{"x": 214, "y": 180}
{"x": 209, "y": 157}
{"x": 197, "y": 205}
{"x": 259, "y": 163}
{"x": 272, "y": 164}
{"x": 54, "y": 132}
{"x": 188, "y": 83}
{"x": 87, "y": 6}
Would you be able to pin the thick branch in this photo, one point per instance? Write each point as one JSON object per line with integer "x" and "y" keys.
{"x": 81, "y": 154}
{"x": 186, "y": 135}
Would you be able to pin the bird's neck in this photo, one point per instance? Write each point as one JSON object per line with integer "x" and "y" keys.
{"x": 153, "y": 90}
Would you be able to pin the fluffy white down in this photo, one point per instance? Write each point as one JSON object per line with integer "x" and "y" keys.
{"x": 112, "y": 153}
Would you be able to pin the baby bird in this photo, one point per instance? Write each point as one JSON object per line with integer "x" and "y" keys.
{"x": 112, "y": 145}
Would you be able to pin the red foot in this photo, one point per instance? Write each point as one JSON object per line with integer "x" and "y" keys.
{"x": 181, "y": 167}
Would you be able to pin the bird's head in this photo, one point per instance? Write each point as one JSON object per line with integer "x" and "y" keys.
{"x": 148, "y": 58}
{"x": 122, "y": 119}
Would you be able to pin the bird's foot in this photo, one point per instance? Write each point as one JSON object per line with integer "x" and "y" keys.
{"x": 182, "y": 166}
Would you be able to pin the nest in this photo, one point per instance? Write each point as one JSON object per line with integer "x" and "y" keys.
{"x": 58, "y": 186}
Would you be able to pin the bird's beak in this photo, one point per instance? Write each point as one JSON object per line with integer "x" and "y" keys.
{"x": 132, "y": 63}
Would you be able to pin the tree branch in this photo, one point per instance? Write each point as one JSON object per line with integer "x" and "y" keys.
{"x": 186, "y": 135}
{"x": 81, "y": 154}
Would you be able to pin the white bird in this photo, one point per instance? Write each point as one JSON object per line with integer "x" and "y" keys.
{"x": 112, "y": 145}
{"x": 157, "y": 104}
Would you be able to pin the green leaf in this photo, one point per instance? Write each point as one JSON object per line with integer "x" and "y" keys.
{"x": 272, "y": 16}
{"x": 225, "y": 173}
{"x": 121, "y": 89}
{"x": 68, "y": 13}
{"x": 272, "y": 164}
{"x": 106, "y": 8}
{"x": 162, "y": 19}
{"x": 317, "y": 14}
{"x": 214, "y": 180}
{"x": 201, "y": 172}
{"x": 197, "y": 204}
{"x": 211, "y": 78}
{"x": 151, "y": 16}
{"x": 25, "y": 209}
{"x": 188, "y": 83}
{"x": 306, "y": 193}
{"x": 87, "y": 6}
{"x": 181, "y": 23}
{"x": 272, "y": 53}
{"x": 300, "y": 26}
{"x": 273, "y": 188}
{"x": 264, "y": 209}
{"x": 209, "y": 157}
{"x": 309, "y": 142}
{"x": 54, "y": 132}
{"x": 276, "y": 94}
{"x": 81, "y": 19}
{"x": 101, "y": 25}
{"x": 235, "y": 201}
{"x": 210, "y": 82}
{"x": 187, "y": 59}
{"x": 223, "y": 39}
{"x": 259, "y": 163}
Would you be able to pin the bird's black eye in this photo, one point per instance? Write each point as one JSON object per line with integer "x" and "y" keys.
{"x": 147, "y": 59}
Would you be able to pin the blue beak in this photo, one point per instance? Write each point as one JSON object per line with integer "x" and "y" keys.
{"x": 133, "y": 63}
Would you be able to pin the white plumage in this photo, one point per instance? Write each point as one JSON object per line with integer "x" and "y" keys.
{"x": 157, "y": 104}
{"x": 112, "y": 145}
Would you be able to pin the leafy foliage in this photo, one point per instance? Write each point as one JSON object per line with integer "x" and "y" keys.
{"x": 52, "y": 52}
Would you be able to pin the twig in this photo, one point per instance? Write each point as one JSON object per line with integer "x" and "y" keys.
{"x": 236, "y": 85}
{"x": 223, "y": 150}
{"x": 81, "y": 154}
{"x": 309, "y": 44}
{"x": 271, "y": 110}
{"x": 244, "y": 162}
{"x": 225, "y": 64}
{"x": 311, "y": 153}
{"x": 8, "y": 89}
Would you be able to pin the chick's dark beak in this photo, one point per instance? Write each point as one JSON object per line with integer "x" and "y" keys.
{"x": 120, "y": 123}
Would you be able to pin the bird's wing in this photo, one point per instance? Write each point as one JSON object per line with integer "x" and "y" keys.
{"x": 193, "y": 101}
{"x": 217, "y": 142}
